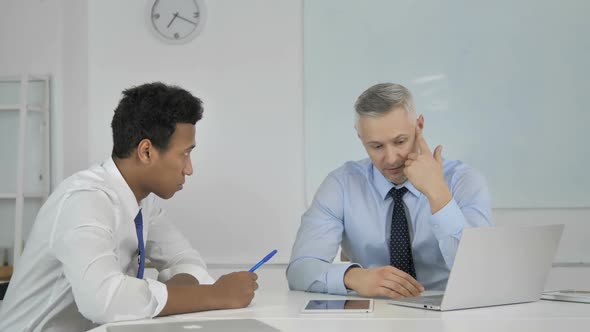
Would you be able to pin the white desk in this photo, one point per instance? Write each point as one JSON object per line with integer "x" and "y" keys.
{"x": 275, "y": 305}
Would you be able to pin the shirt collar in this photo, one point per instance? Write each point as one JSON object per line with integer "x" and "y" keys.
{"x": 120, "y": 185}
{"x": 383, "y": 185}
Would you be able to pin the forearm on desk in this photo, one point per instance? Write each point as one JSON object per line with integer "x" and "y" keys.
{"x": 183, "y": 298}
{"x": 315, "y": 275}
{"x": 183, "y": 279}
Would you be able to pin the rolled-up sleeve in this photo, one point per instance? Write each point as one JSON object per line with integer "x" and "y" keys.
{"x": 84, "y": 241}
{"x": 170, "y": 251}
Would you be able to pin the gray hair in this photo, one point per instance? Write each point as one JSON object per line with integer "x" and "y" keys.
{"x": 382, "y": 98}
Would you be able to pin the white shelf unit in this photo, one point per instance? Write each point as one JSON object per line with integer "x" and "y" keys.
{"x": 24, "y": 99}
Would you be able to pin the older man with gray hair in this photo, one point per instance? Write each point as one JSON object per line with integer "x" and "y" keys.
{"x": 398, "y": 214}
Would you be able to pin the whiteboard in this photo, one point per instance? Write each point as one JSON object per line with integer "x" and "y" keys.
{"x": 503, "y": 86}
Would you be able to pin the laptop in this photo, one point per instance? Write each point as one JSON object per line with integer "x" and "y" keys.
{"x": 495, "y": 266}
{"x": 246, "y": 325}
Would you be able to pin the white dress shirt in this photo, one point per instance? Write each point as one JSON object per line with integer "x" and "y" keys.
{"x": 79, "y": 264}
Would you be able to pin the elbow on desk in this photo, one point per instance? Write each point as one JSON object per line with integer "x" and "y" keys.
{"x": 115, "y": 300}
{"x": 295, "y": 277}
{"x": 96, "y": 311}
{"x": 299, "y": 278}
{"x": 102, "y": 312}
{"x": 289, "y": 276}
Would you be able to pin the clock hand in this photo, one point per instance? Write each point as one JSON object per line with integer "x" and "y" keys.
{"x": 189, "y": 21}
{"x": 172, "y": 20}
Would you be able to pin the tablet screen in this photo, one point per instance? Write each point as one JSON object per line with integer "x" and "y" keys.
{"x": 339, "y": 305}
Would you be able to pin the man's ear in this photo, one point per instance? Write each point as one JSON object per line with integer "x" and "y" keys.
{"x": 145, "y": 151}
{"x": 420, "y": 122}
{"x": 356, "y": 128}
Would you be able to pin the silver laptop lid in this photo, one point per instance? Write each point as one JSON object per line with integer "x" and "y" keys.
{"x": 246, "y": 325}
{"x": 501, "y": 265}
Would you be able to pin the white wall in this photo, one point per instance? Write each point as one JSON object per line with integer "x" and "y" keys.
{"x": 30, "y": 42}
{"x": 75, "y": 87}
{"x": 246, "y": 195}
{"x": 50, "y": 37}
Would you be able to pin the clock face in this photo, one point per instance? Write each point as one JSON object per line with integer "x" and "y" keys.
{"x": 177, "y": 21}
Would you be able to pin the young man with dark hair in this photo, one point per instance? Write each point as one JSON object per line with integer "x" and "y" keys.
{"x": 84, "y": 260}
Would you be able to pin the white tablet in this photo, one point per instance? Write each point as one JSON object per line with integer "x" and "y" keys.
{"x": 568, "y": 295}
{"x": 337, "y": 305}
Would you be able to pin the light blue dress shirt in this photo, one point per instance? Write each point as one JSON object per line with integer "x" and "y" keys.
{"x": 352, "y": 208}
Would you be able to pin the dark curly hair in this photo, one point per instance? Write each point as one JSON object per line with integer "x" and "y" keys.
{"x": 151, "y": 111}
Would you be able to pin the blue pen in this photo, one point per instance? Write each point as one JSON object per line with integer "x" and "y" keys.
{"x": 262, "y": 261}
